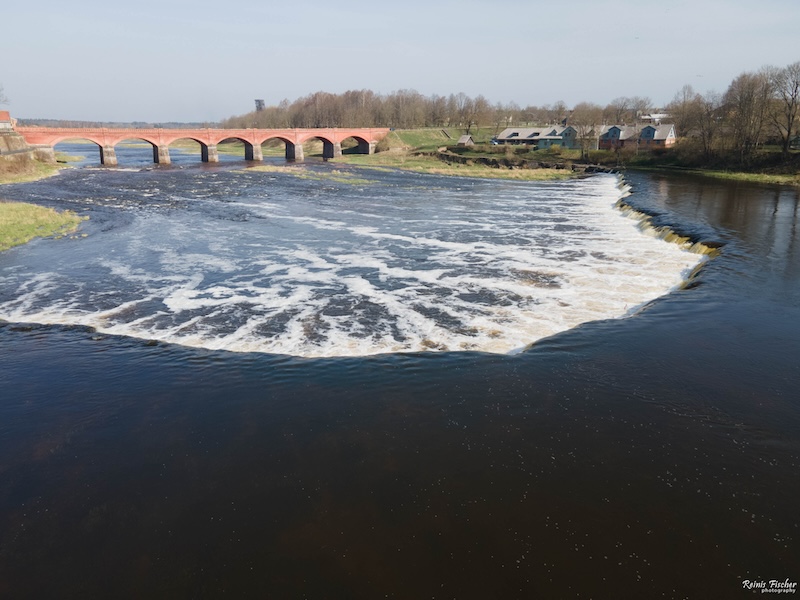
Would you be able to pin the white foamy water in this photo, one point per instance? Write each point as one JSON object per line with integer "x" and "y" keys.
{"x": 273, "y": 263}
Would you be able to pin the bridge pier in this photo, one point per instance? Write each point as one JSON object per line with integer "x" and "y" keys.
{"x": 329, "y": 149}
{"x": 253, "y": 152}
{"x": 208, "y": 153}
{"x": 108, "y": 156}
{"x": 365, "y": 147}
{"x": 161, "y": 155}
{"x": 294, "y": 151}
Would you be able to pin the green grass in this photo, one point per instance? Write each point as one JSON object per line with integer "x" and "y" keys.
{"x": 430, "y": 139}
{"x": 421, "y": 140}
{"x": 433, "y": 166}
{"x": 784, "y": 179}
{"x": 414, "y": 149}
{"x": 20, "y": 223}
{"x": 774, "y": 178}
{"x": 62, "y": 157}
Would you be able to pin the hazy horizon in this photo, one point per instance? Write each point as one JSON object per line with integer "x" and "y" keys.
{"x": 194, "y": 62}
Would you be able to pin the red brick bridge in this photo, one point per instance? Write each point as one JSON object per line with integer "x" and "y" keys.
{"x": 45, "y": 138}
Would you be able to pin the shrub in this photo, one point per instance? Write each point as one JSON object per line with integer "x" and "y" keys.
{"x": 383, "y": 145}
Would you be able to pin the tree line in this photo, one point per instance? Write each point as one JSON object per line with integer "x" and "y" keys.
{"x": 757, "y": 107}
{"x": 408, "y": 109}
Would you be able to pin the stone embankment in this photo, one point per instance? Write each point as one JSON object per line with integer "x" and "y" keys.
{"x": 14, "y": 150}
{"x": 520, "y": 163}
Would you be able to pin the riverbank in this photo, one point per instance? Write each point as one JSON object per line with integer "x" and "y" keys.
{"x": 434, "y": 165}
{"x": 771, "y": 178}
{"x": 26, "y": 171}
{"x": 435, "y": 151}
{"x": 430, "y": 151}
{"x": 21, "y": 222}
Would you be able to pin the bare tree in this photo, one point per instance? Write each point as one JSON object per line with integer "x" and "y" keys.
{"x": 481, "y": 112}
{"x": 504, "y": 115}
{"x": 408, "y": 109}
{"x": 586, "y": 118}
{"x": 617, "y": 110}
{"x": 534, "y": 114}
{"x": 463, "y": 110}
{"x": 356, "y": 108}
{"x": 786, "y": 110}
{"x": 709, "y": 120}
{"x": 3, "y": 99}
{"x": 557, "y": 112}
{"x": 436, "y": 111}
{"x": 685, "y": 110}
{"x": 626, "y": 110}
{"x": 640, "y": 105}
{"x": 452, "y": 110}
{"x": 747, "y": 99}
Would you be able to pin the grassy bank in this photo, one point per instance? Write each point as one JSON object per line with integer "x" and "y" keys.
{"x": 416, "y": 150}
{"x": 767, "y": 165}
{"x": 403, "y": 149}
{"x": 24, "y": 171}
{"x": 20, "y": 223}
{"x": 434, "y": 166}
{"x": 779, "y": 178}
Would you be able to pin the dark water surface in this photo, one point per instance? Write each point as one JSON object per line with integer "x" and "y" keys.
{"x": 655, "y": 456}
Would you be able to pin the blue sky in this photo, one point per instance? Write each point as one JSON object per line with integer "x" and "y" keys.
{"x": 181, "y": 60}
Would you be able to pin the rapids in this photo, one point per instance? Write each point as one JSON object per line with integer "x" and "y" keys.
{"x": 320, "y": 260}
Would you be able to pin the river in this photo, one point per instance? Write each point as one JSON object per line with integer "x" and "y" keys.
{"x": 345, "y": 383}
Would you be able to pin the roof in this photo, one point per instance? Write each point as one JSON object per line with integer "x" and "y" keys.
{"x": 627, "y": 132}
{"x": 663, "y": 131}
{"x": 5, "y": 116}
{"x": 529, "y": 133}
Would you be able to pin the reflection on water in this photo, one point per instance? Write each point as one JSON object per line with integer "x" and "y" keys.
{"x": 759, "y": 222}
{"x": 656, "y": 456}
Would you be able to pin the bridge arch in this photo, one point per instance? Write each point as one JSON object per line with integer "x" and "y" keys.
{"x": 362, "y": 145}
{"x": 86, "y": 141}
{"x": 160, "y": 150}
{"x": 252, "y": 151}
{"x": 331, "y": 147}
{"x": 202, "y": 145}
{"x": 292, "y": 150}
